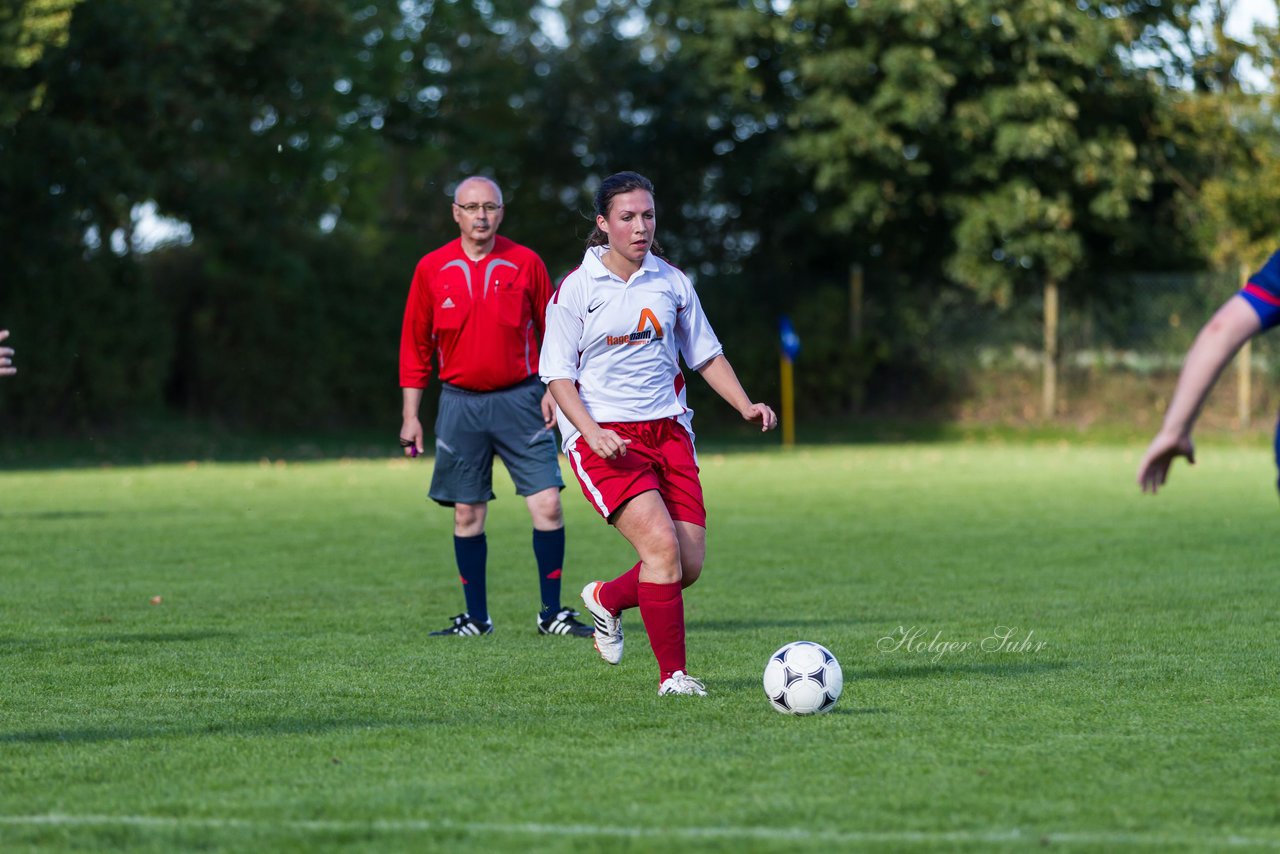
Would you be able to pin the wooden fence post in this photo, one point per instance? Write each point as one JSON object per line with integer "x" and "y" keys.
{"x": 1049, "y": 388}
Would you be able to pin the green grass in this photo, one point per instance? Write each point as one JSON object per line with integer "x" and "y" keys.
{"x": 284, "y": 696}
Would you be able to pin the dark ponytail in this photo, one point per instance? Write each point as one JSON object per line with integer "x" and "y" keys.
{"x": 616, "y": 185}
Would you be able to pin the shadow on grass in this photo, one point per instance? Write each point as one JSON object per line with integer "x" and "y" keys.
{"x": 930, "y": 670}
{"x": 753, "y": 685}
{"x": 122, "y": 638}
{"x": 178, "y": 441}
{"x": 788, "y": 623}
{"x": 162, "y": 637}
{"x": 918, "y": 671}
{"x": 841, "y": 710}
{"x": 288, "y": 726}
{"x": 55, "y": 515}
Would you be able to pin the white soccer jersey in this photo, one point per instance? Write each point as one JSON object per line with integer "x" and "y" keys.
{"x": 621, "y": 342}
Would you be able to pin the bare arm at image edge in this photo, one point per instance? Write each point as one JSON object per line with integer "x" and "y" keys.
{"x": 1225, "y": 333}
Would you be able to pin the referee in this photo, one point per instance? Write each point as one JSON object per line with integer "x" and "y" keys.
{"x": 477, "y": 306}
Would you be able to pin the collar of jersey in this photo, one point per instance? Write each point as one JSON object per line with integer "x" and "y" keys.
{"x": 598, "y": 270}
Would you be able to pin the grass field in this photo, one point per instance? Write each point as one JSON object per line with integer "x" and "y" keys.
{"x": 284, "y": 695}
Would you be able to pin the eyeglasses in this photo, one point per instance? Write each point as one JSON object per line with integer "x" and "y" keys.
{"x": 473, "y": 208}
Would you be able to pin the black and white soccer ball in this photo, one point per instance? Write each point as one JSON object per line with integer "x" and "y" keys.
{"x": 803, "y": 678}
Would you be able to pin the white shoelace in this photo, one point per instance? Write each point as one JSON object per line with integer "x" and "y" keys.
{"x": 683, "y": 683}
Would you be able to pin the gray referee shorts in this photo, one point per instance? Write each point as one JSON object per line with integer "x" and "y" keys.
{"x": 472, "y": 426}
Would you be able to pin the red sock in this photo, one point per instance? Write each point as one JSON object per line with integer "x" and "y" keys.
{"x": 623, "y": 592}
{"x": 662, "y": 609}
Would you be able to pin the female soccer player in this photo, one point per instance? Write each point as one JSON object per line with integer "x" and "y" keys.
{"x": 616, "y": 329}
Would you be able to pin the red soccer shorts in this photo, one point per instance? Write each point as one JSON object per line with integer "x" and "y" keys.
{"x": 659, "y": 457}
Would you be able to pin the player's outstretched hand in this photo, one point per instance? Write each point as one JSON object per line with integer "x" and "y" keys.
{"x": 1153, "y": 471}
{"x": 762, "y": 413}
{"x": 6, "y": 357}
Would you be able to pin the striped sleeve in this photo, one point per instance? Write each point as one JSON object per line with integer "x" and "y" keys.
{"x": 1263, "y": 292}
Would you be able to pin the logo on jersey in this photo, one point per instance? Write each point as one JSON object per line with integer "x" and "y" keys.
{"x": 448, "y": 303}
{"x": 648, "y": 329}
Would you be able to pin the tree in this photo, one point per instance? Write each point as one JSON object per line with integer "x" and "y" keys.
{"x": 222, "y": 112}
{"x": 27, "y": 29}
{"x": 993, "y": 136}
{"x": 1222, "y": 133}
{"x": 1000, "y": 146}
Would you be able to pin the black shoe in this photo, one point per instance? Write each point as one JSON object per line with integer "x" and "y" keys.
{"x": 464, "y": 626}
{"x": 563, "y": 623}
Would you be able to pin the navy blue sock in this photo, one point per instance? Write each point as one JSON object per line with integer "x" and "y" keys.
{"x": 548, "y": 550}
{"x": 472, "y": 553}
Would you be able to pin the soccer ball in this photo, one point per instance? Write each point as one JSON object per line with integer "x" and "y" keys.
{"x": 803, "y": 678}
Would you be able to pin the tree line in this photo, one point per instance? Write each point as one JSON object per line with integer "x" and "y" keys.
{"x": 957, "y": 151}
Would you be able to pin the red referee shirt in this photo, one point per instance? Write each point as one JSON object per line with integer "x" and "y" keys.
{"x": 484, "y": 319}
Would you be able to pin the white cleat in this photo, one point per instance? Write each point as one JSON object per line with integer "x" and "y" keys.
{"x": 684, "y": 684}
{"x": 608, "y": 634}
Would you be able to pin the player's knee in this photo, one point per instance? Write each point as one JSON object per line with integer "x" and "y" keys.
{"x": 663, "y": 562}
{"x": 468, "y": 520}
{"x": 546, "y": 511}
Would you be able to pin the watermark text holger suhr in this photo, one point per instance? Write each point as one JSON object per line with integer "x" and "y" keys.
{"x": 1003, "y": 640}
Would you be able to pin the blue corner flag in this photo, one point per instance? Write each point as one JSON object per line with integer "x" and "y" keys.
{"x": 789, "y": 339}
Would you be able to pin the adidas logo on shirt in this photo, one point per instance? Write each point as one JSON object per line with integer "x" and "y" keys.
{"x": 448, "y": 303}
